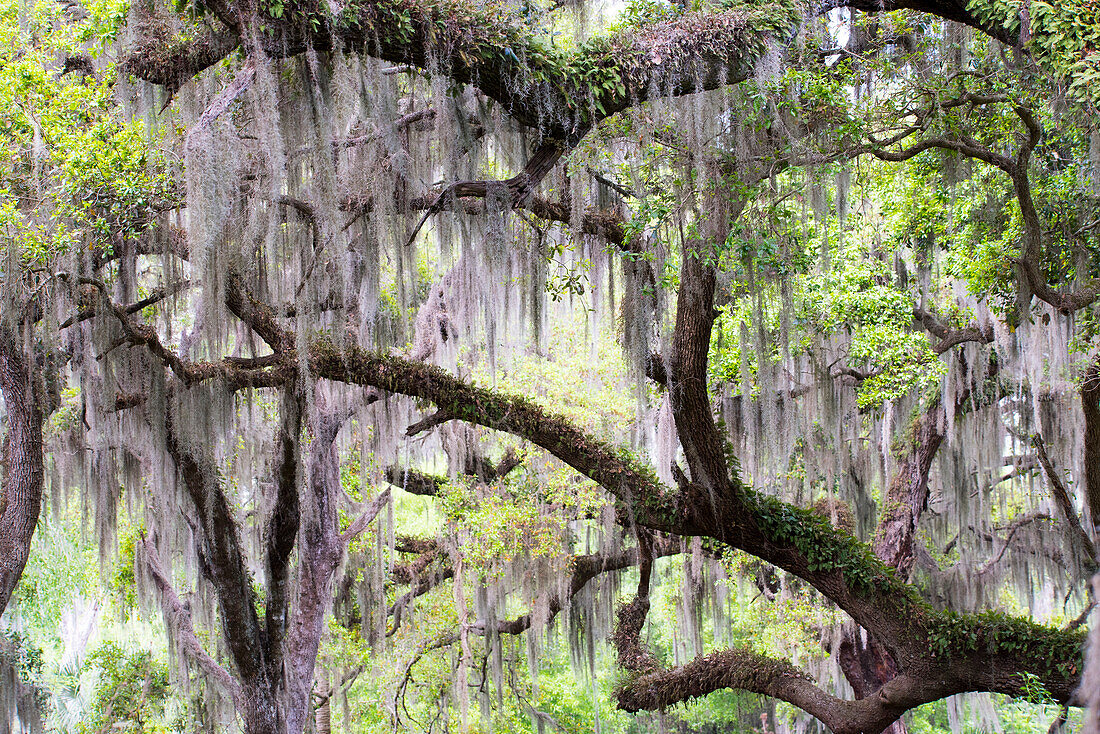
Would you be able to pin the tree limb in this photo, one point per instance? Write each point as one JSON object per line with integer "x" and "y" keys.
{"x": 177, "y": 619}
{"x": 499, "y": 54}
{"x": 282, "y": 526}
{"x": 1064, "y": 504}
{"x": 366, "y": 517}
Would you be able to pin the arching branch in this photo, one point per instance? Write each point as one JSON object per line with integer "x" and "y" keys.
{"x": 504, "y": 57}
{"x": 786, "y": 536}
{"x": 958, "y": 11}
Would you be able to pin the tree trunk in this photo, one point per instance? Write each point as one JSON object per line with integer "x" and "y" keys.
{"x": 1090, "y": 406}
{"x": 260, "y": 711}
{"x": 865, "y": 663}
{"x": 319, "y": 550}
{"x": 21, "y": 488}
{"x": 867, "y": 666}
{"x": 324, "y": 716}
{"x": 907, "y": 495}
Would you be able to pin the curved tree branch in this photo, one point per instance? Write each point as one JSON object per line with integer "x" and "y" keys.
{"x": 504, "y": 57}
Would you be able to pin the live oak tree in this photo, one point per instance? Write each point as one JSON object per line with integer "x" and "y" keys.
{"x": 74, "y": 172}
{"x": 853, "y": 282}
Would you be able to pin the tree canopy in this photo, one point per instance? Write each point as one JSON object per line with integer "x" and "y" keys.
{"x": 510, "y": 365}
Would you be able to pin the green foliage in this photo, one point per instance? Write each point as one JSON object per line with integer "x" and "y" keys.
{"x": 1054, "y": 652}
{"x": 123, "y": 583}
{"x": 19, "y": 652}
{"x": 131, "y": 693}
{"x": 500, "y": 527}
{"x": 62, "y": 566}
{"x": 74, "y": 173}
{"x": 645, "y": 12}
{"x": 67, "y": 417}
{"x": 1032, "y": 690}
{"x": 1064, "y": 37}
{"x": 566, "y": 279}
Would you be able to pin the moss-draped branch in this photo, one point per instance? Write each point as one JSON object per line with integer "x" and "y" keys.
{"x": 561, "y": 94}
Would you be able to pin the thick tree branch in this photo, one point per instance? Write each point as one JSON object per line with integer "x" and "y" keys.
{"x": 907, "y": 495}
{"x": 320, "y": 549}
{"x": 172, "y": 65}
{"x": 366, "y": 517}
{"x": 955, "y": 10}
{"x": 967, "y": 148}
{"x": 427, "y": 423}
{"x": 501, "y": 55}
{"x": 592, "y": 458}
{"x": 948, "y": 336}
{"x": 177, "y": 618}
{"x": 257, "y": 315}
{"x": 282, "y": 527}
{"x": 415, "y": 482}
{"x": 221, "y": 555}
{"x": 746, "y": 670}
{"x": 627, "y": 637}
{"x": 1090, "y": 406}
{"x": 687, "y": 381}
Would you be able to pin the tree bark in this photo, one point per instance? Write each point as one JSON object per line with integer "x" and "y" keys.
{"x": 866, "y": 664}
{"x": 907, "y": 495}
{"x": 1090, "y": 405}
{"x": 691, "y": 408}
{"x": 320, "y": 549}
{"x": 21, "y": 489}
{"x": 222, "y": 562}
